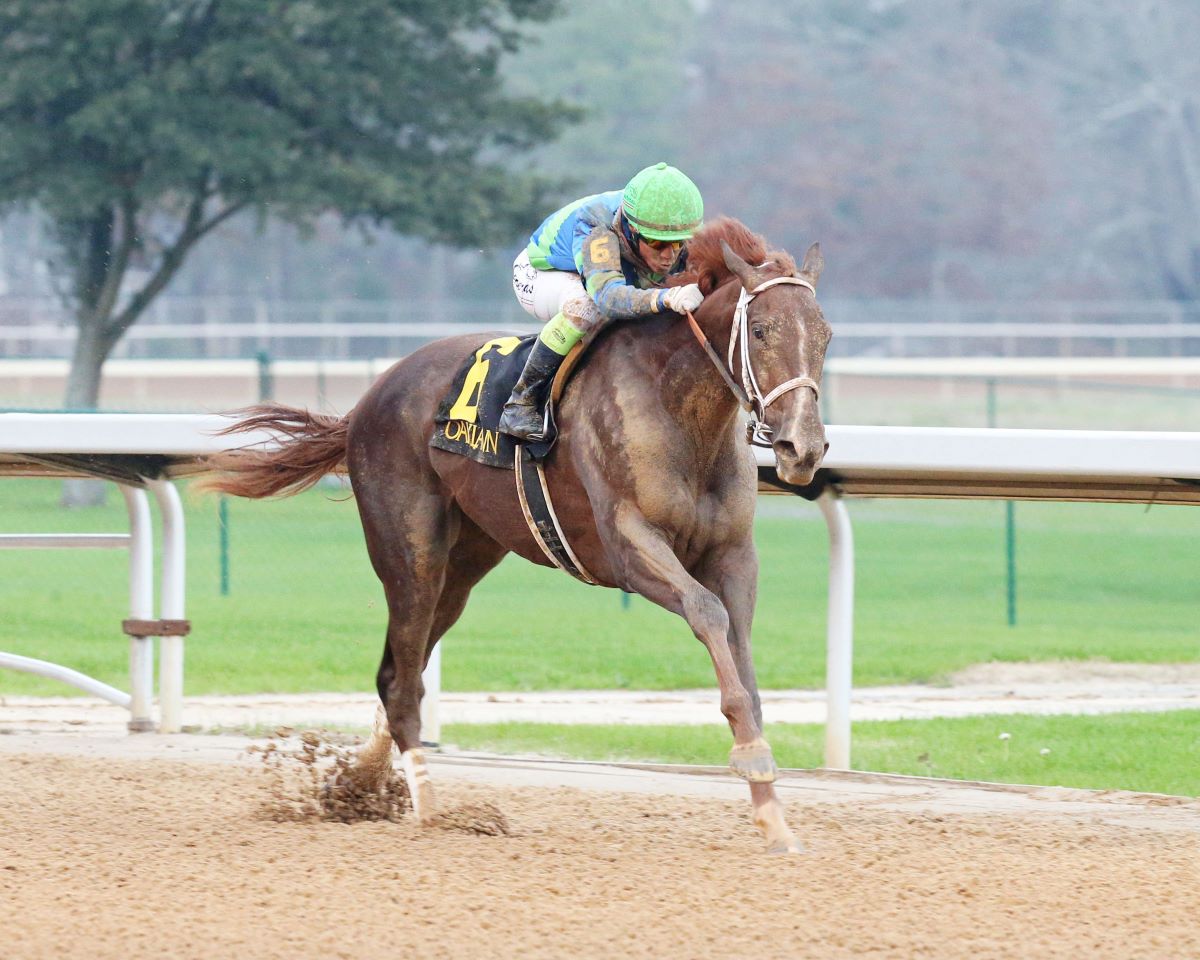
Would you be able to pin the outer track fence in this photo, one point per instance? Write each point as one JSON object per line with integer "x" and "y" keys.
{"x": 1053, "y": 393}
{"x": 141, "y": 626}
{"x": 231, "y": 327}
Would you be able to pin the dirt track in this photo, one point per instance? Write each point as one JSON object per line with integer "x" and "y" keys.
{"x": 107, "y": 854}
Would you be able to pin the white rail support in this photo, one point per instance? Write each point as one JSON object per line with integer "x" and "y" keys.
{"x": 141, "y": 585}
{"x": 56, "y": 671}
{"x": 431, "y": 726}
{"x": 141, "y": 607}
{"x": 839, "y": 631}
{"x": 170, "y": 679}
{"x": 970, "y": 463}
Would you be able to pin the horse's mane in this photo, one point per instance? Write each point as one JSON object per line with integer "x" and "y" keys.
{"x": 706, "y": 263}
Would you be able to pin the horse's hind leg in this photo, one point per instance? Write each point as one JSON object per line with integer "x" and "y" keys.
{"x": 410, "y": 527}
{"x": 417, "y": 619}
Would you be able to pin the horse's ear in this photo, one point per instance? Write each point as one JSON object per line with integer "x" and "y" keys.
{"x": 739, "y": 267}
{"x": 814, "y": 263}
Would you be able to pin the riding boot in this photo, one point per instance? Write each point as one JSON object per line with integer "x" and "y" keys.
{"x": 522, "y": 417}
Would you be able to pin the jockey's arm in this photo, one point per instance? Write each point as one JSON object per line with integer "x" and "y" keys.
{"x": 600, "y": 266}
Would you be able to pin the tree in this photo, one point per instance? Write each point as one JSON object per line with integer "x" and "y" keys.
{"x": 138, "y": 126}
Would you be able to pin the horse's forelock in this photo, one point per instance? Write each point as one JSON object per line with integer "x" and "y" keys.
{"x": 706, "y": 262}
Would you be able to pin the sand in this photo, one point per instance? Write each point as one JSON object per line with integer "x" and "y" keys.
{"x": 131, "y": 856}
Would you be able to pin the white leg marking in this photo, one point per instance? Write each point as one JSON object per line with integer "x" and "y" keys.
{"x": 768, "y": 817}
{"x": 419, "y": 787}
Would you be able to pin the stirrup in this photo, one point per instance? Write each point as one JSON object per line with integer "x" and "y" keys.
{"x": 533, "y": 430}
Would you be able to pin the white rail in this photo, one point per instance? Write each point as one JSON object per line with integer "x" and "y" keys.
{"x": 141, "y": 586}
{"x": 55, "y": 671}
{"x": 45, "y": 541}
{"x": 1081, "y": 465}
{"x": 224, "y": 326}
{"x": 184, "y": 440}
{"x": 862, "y": 461}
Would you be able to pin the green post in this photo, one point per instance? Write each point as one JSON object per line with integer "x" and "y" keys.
{"x": 223, "y": 528}
{"x": 1010, "y": 541}
{"x": 624, "y": 600}
{"x": 1010, "y": 523}
{"x": 266, "y": 386}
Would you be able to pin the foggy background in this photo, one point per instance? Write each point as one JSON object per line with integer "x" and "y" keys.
{"x": 939, "y": 150}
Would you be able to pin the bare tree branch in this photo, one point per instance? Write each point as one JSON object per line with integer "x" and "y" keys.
{"x": 126, "y": 230}
{"x": 194, "y": 227}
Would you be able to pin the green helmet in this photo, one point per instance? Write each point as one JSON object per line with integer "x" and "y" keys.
{"x": 662, "y": 203}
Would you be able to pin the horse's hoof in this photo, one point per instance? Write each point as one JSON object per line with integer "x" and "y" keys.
{"x": 786, "y": 846}
{"x": 753, "y": 761}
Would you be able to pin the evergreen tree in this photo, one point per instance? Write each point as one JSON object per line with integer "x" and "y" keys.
{"x": 138, "y": 126}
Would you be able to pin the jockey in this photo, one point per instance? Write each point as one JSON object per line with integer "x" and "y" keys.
{"x": 601, "y": 258}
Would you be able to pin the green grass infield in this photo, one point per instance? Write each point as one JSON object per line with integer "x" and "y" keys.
{"x": 304, "y": 612}
{"x": 1142, "y": 752}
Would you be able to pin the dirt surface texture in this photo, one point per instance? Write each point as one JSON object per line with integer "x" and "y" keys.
{"x": 118, "y": 846}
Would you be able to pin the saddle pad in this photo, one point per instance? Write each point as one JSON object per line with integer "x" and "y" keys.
{"x": 467, "y": 419}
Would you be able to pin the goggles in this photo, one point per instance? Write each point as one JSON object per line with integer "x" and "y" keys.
{"x": 660, "y": 245}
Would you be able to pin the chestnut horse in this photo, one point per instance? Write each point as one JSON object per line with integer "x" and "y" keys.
{"x": 653, "y": 482}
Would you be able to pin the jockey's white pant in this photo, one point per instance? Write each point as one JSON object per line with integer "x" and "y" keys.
{"x": 542, "y": 293}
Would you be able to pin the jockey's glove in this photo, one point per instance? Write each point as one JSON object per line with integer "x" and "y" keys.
{"x": 682, "y": 299}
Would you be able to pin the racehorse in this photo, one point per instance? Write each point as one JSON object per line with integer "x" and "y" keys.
{"x": 653, "y": 483}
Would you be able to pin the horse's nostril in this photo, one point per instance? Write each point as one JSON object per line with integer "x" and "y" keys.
{"x": 785, "y": 448}
{"x": 826, "y": 450}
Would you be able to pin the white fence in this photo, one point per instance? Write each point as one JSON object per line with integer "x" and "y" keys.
{"x": 862, "y": 462}
{"x": 218, "y": 327}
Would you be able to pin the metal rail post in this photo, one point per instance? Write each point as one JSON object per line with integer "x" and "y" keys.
{"x": 139, "y": 542}
{"x": 839, "y": 647}
{"x": 170, "y": 678}
{"x": 431, "y": 726}
{"x": 141, "y": 607}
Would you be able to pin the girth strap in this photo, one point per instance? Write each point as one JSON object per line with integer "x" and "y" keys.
{"x": 539, "y": 513}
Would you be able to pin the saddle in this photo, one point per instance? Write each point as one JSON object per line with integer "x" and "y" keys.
{"x": 467, "y": 421}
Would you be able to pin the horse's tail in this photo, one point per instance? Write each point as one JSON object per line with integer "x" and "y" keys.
{"x": 310, "y": 446}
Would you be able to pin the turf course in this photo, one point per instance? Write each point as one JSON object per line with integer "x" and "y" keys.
{"x": 1148, "y": 752}
{"x": 305, "y": 613}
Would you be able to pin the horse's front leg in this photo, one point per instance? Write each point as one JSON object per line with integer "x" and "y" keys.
{"x": 651, "y": 569}
{"x": 732, "y": 574}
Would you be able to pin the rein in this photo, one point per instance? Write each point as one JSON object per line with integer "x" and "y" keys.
{"x": 748, "y": 393}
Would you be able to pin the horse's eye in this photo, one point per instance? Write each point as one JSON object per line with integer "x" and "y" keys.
{"x": 758, "y": 332}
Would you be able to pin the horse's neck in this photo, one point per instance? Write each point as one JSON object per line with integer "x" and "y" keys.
{"x": 715, "y": 316}
{"x": 695, "y": 392}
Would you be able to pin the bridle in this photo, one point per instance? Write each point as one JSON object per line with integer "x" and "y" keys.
{"x": 748, "y": 393}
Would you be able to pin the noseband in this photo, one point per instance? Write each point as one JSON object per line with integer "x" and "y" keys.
{"x": 749, "y": 395}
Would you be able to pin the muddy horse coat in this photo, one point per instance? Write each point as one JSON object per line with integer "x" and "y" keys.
{"x": 652, "y": 481}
